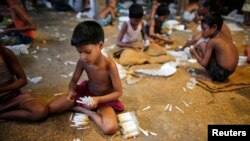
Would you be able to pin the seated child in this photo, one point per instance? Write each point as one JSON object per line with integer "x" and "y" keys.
{"x": 24, "y": 29}
{"x": 132, "y": 29}
{"x": 221, "y": 56}
{"x": 107, "y": 15}
{"x": 154, "y": 28}
{"x": 190, "y": 13}
{"x": 197, "y": 39}
{"x": 15, "y": 104}
{"x": 103, "y": 84}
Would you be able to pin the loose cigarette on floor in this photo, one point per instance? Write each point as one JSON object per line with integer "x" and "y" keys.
{"x": 179, "y": 109}
{"x": 33, "y": 52}
{"x": 65, "y": 76}
{"x": 74, "y": 125}
{"x": 166, "y": 108}
{"x": 146, "y": 108}
{"x": 170, "y": 108}
{"x": 58, "y": 94}
{"x": 143, "y": 131}
{"x": 184, "y": 89}
{"x": 185, "y": 103}
{"x": 83, "y": 128}
{"x": 71, "y": 116}
{"x": 152, "y": 133}
{"x": 49, "y": 59}
{"x": 35, "y": 56}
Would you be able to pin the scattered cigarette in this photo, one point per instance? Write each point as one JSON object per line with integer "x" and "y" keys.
{"x": 83, "y": 128}
{"x": 71, "y": 116}
{"x": 44, "y": 49}
{"x": 143, "y": 131}
{"x": 58, "y": 94}
{"x": 179, "y": 109}
{"x": 33, "y": 52}
{"x": 58, "y": 56}
{"x": 65, "y": 76}
{"x": 170, "y": 108}
{"x": 185, "y": 103}
{"x": 146, "y": 108}
{"x": 152, "y": 133}
{"x": 166, "y": 108}
{"x": 184, "y": 89}
{"x": 49, "y": 59}
{"x": 35, "y": 56}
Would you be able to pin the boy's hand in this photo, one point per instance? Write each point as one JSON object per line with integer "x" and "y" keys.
{"x": 94, "y": 103}
{"x": 71, "y": 96}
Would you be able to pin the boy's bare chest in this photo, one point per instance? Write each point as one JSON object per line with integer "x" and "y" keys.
{"x": 96, "y": 73}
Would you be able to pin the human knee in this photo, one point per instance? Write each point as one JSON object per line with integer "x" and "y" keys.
{"x": 40, "y": 113}
{"x": 110, "y": 129}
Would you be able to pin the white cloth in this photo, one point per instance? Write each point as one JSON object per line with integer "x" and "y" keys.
{"x": 188, "y": 16}
{"x": 131, "y": 35}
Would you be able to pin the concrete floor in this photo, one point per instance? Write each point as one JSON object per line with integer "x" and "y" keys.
{"x": 204, "y": 107}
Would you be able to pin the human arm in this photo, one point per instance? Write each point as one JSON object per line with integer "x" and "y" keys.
{"x": 153, "y": 35}
{"x": 191, "y": 41}
{"x": 16, "y": 10}
{"x": 143, "y": 33}
{"x": 16, "y": 69}
{"x": 73, "y": 82}
{"x": 203, "y": 61}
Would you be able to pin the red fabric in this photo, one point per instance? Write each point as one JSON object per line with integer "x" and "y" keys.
{"x": 82, "y": 90}
{"x": 19, "y": 23}
{"x": 247, "y": 52}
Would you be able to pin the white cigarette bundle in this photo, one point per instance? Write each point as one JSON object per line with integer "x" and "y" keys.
{"x": 86, "y": 100}
{"x": 129, "y": 124}
{"x": 79, "y": 120}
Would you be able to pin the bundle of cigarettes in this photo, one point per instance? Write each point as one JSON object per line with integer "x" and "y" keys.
{"x": 129, "y": 124}
{"x": 79, "y": 120}
{"x": 86, "y": 100}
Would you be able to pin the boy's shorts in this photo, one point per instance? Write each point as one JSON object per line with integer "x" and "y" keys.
{"x": 215, "y": 71}
{"x": 82, "y": 90}
{"x": 105, "y": 21}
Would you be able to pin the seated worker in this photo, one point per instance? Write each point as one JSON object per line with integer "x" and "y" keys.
{"x": 23, "y": 30}
{"x": 15, "y": 104}
{"x": 197, "y": 40}
{"x": 103, "y": 84}
{"x": 190, "y": 12}
{"x": 131, "y": 30}
{"x": 107, "y": 15}
{"x": 154, "y": 27}
{"x": 221, "y": 56}
{"x": 155, "y": 4}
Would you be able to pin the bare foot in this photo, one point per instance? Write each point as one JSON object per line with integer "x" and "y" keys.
{"x": 203, "y": 75}
{"x": 200, "y": 73}
{"x": 84, "y": 110}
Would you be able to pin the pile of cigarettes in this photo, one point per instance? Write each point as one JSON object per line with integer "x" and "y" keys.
{"x": 128, "y": 124}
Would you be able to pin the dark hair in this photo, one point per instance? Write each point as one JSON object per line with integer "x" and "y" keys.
{"x": 162, "y": 10}
{"x": 213, "y": 7}
{"x": 87, "y": 32}
{"x": 213, "y": 19}
{"x": 135, "y": 11}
